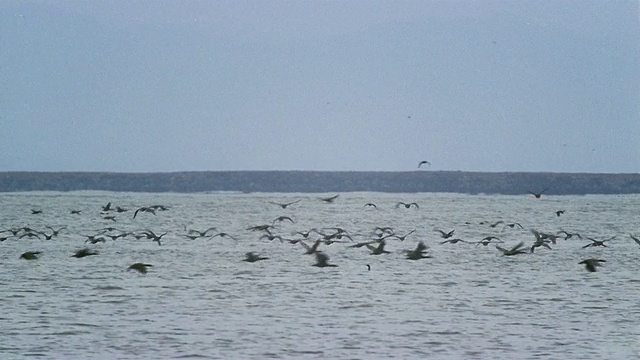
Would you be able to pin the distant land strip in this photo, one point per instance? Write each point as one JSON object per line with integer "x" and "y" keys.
{"x": 509, "y": 183}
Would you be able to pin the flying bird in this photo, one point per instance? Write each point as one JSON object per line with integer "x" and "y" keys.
{"x": 537, "y": 195}
{"x": 253, "y": 257}
{"x": 322, "y": 260}
{"x": 284, "y": 205}
{"x": 378, "y": 250}
{"x": 330, "y": 199}
{"x": 223, "y": 234}
{"x": 144, "y": 209}
{"x": 407, "y": 206}
{"x": 595, "y": 242}
{"x": 139, "y": 267}
{"x": 84, "y": 252}
{"x": 513, "y": 251}
{"x": 418, "y": 252}
{"x": 446, "y": 235}
{"x": 30, "y": 255}
{"x": 424, "y": 162}
{"x": 637, "y": 240}
{"x": 592, "y": 263}
{"x": 311, "y": 249}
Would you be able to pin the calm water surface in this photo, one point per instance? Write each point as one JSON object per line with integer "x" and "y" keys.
{"x": 200, "y": 300}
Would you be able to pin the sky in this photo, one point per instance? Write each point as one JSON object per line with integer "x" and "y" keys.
{"x": 163, "y": 86}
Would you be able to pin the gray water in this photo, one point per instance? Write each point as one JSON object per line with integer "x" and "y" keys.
{"x": 200, "y": 300}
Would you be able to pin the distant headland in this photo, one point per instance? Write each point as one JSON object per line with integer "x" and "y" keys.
{"x": 326, "y": 181}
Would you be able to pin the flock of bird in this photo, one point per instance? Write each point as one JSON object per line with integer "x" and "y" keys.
{"x": 311, "y": 240}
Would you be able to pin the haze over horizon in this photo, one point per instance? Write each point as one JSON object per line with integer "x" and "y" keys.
{"x": 167, "y": 86}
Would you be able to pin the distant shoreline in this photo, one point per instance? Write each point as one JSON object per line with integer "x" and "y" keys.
{"x": 509, "y": 183}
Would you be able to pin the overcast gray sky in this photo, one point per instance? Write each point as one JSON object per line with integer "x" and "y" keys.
{"x": 142, "y": 86}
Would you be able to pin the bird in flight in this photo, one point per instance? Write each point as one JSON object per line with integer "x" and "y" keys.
{"x": 595, "y": 242}
{"x": 407, "y": 205}
{"x": 83, "y": 253}
{"x": 591, "y": 263}
{"x": 284, "y": 205}
{"x": 423, "y": 162}
{"x": 139, "y": 267}
{"x": 322, "y": 260}
{"x": 330, "y": 199}
{"x": 30, "y": 255}
{"x": 253, "y": 257}
{"x": 537, "y": 195}
{"x": 445, "y": 235}
{"x": 513, "y": 251}
{"x": 418, "y": 252}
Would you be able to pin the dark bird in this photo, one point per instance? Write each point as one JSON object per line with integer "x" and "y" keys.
{"x": 144, "y": 209}
{"x": 512, "y": 225}
{"x": 513, "y": 251}
{"x": 569, "y": 235}
{"x": 269, "y": 236}
{"x": 423, "y": 162}
{"x": 36, "y": 211}
{"x": 264, "y": 227}
{"x": 330, "y": 199}
{"x": 55, "y": 232}
{"x": 30, "y": 235}
{"x": 311, "y": 249}
{"x": 559, "y": 212}
{"x": 139, "y": 267}
{"x": 201, "y": 233}
{"x": 401, "y": 237}
{"x": 540, "y": 242}
{"x": 537, "y": 195}
{"x": 453, "y": 241}
{"x": 284, "y": 205}
{"x": 283, "y": 218}
{"x": 84, "y": 252}
{"x": 378, "y": 250}
{"x": 637, "y": 240}
{"x": 591, "y": 264}
{"x": 30, "y": 255}
{"x": 159, "y": 207}
{"x": 153, "y": 237}
{"x": 94, "y": 239}
{"x": 75, "y": 212}
{"x": 368, "y": 267}
{"x": 322, "y": 260}
{"x": 253, "y": 257}
{"x": 488, "y": 240}
{"x": 361, "y": 244}
{"x": 496, "y": 223}
{"x": 223, "y": 235}
{"x": 119, "y": 209}
{"x": 107, "y": 207}
{"x": 370, "y": 205}
{"x": 418, "y": 252}
{"x": 407, "y": 206}
{"x": 595, "y": 242}
{"x": 445, "y": 235}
